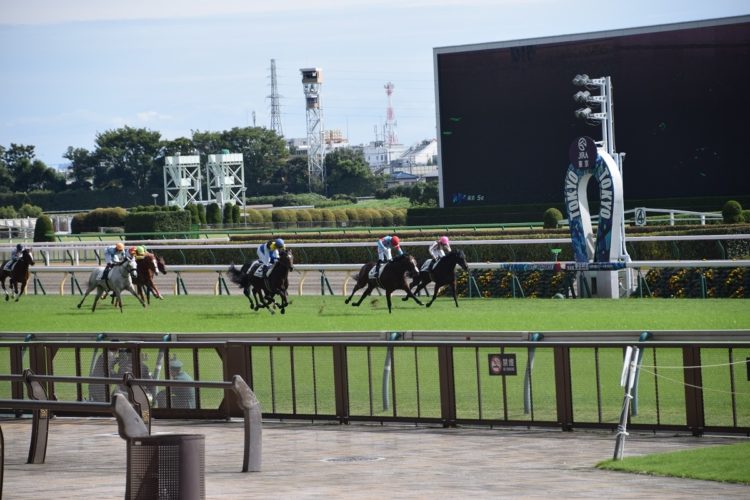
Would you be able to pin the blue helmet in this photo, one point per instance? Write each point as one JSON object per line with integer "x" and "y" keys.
{"x": 279, "y": 243}
{"x": 19, "y": 247}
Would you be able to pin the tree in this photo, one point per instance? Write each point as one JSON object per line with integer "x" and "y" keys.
{"x": 347, "y": 172}
{"x": 293, "y": 175}
{"x": 82, "y": 167}
{"x": 22, "y": 172}
{"x": 127, "y": 157}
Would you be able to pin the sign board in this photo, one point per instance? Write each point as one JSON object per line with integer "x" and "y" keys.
{"x": 640, "y": 216}
{"x": 502, "y": 364}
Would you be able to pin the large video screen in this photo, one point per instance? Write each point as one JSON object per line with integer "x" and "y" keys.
{"x": 681, "y": 113}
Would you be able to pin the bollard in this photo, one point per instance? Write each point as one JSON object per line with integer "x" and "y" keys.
{"x": 634, "y": 405}
{"x": 533, "y": 337}
{"x": 392, "y": 337}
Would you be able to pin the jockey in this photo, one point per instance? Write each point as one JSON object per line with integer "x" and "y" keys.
{"x": 132, "y": 251}
{"x": 385, "y": 245}
{"x": 268, "y": 253}
{"x": 438, "y": 249}
{"x": 113, "y": 254}
{"x": 140, "y": 252}
{"x": 15, "y": 254}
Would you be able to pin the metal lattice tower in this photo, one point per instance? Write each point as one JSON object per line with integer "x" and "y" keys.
{"x": 312, "y": 80}
{"x": 226, "y": 178}
{"x": 275, "y": 106}
{"x": 390, "y": 120}
{"x": 182, "y": 180}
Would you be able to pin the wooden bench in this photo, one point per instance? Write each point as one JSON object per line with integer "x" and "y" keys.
{"x": 139, "y": 402}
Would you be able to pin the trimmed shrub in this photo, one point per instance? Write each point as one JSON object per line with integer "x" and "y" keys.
{"x": 236, "y": 214}
{"x": 353, "y": 216}
{"x": 304, "y": 218}
{"x": 28, "y": 210}
{"x": 94, "y": 220}
{"x": 342, "y": 220}
{"x": 43, "y": 231}
{"x": 552, "y": 218}
{"x": 267, "y": 216}
{"x": 227, "y": 216}
{"x": 253, "y": 216}
{"x": 202, "y": 214}
{"x": 399, "y": 216}
{"x": 328, "y": 219}
{"x": 732, "y": 212}
{"x": 195, "y": 217}
{"x": 213, "y": 214}
{"x": 386, "y": 216}
{"x": 156, "y": 222}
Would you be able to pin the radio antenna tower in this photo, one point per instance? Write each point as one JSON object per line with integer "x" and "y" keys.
{"x": 390, "y": 122}
{"x": 275, "y": 107}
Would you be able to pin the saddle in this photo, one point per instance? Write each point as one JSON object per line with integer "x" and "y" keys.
{"x": 260, "y": 270}
{"x": 428, "y": 265}
{"x": 373, "y": 273}
{"x": 8, "y": 266}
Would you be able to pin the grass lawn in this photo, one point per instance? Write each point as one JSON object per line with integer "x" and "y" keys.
{"x": 330, "y": 314}
{"x": 729, "y": 464}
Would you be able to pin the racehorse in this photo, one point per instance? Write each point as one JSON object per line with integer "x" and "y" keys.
{"x": 144, "y": 281}
{"x": 443, "y": 274}
{"x": 265, "y": 289}
{"x": 120, "y": 278}
{"x": 19, "y": 274}
{"x": 392, "y": 277}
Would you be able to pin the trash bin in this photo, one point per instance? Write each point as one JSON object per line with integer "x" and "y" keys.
{"x": 165, "y": 467}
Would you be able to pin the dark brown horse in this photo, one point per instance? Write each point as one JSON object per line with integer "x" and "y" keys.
{"x": 392, "y": 277}
{"x": 147, "y": 268}
{"x": 19, "y": 274}
{"x": 443, "y": 274}
{"x": 265, "y": 289}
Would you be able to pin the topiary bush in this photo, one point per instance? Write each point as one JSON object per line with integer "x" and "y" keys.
{"x": 552, "y": 218}
{"x": 43, "y": 231}
{"x": 213, "y": 214}
{"x": 732, "y": 212}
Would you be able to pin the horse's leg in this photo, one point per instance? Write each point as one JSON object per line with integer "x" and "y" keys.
{"x": 367, "y": 292}
{"x": 434, "y": 293}
{"x": 405, "y": 287}
{"x": 358, "y": 286}
{"x": 388, "y": 299}
{"x": 99, "y": 292}
{"x": 5, "y": 289}
{"x": 86, "y": 294}
{"x": 133, "y": 292}
{"x": 246, "y": 291}
{"x": 453, "y": 291}
{"x": 23, "y": 288}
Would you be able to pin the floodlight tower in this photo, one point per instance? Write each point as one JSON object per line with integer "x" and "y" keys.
{"x": 312, "y": 80}
{"x": 275, "y": 107}
{"x": 226, "y": 178}
{"x": 182, "y": 180}
{"x": 606, "y": 114}
{"x": 390, "y": 121}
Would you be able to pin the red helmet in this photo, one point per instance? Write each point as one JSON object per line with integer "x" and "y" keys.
{"x": 395, "y": 241}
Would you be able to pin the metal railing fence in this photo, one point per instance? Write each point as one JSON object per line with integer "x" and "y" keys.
{"x": 689, "y": 385}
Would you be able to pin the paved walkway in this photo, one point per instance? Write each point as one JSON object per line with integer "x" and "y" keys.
{"x": 86, "y": 459}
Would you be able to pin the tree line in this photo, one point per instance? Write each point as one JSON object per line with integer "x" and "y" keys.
{"x": 133, "y": 158}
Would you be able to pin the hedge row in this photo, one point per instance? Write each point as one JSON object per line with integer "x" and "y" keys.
{"x": 691, "y": 283}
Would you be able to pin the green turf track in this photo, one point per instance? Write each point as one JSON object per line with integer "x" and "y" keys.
{"x": 330, "y": 314}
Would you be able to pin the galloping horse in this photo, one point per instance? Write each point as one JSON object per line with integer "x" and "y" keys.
{"x": 443, "y": 274}
{"x": 120, "y": 278}
{"x": 144, "y": 281}
{"x": 392, "y": 277}
{"x": 264, "y": 290}
{"x": 18, "y": 275}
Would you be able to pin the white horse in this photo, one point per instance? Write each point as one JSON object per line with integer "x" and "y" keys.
{"x": 120, "y": 278}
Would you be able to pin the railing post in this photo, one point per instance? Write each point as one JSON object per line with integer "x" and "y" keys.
{"x": 447, "y": 386}
{"x": 236, "y": 360}
{"x": 563, "y": 388}
{"x": 341, "y": 383}
{"x": 691, "y": 360}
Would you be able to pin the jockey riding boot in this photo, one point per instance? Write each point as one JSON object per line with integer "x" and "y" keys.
{"x": 377, "y": 268}
{"x": 105, "y": 274}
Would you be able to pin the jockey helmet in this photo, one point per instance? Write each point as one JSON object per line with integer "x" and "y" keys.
{"x": 279, "y": 243}
{"x": 119, "y": 246}
{"x": 131, "y": 250}
{"x": 443, "y": 240}
{"x": 19, "y": 247}
{"x": 395, "y": 241}
{"x": 140, "y": 250}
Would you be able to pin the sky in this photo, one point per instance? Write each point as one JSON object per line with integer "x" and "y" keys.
{"x": 72, "y": 69}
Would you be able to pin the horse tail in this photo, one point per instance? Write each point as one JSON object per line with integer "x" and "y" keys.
{"x": 238, "y": 277}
